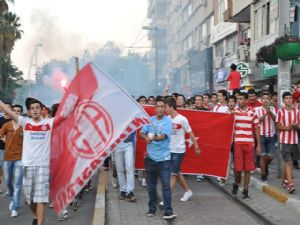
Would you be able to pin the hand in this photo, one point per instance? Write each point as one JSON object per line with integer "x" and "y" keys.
{"x": 148, "y": 140}
{"x": 268, "y": 109}
{"x": 294, "y": 126}
{"x": 258, "y": 149}
{"x": 197, "y": 151}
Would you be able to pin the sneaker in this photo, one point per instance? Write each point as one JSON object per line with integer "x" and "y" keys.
{"x": 64, "y": 215}
{"x": 291, "y": 188}
{"x": 284, "y": 183}
{"x": 150, "y": 213}
{"x": 169, "y": 216}
{"x": 221, "y": 182}
{"x": 235, "y": 189}
{"x": 161, "y": 203}
{"x": 114, "y": 182}
{"x": 200, "y": 178}
{"x": 10, "y": 206}
{"x": 245, "y": 195}
{"x": 34, "y": 222}
{"x": 130, "y": 197}
{"x": 14, "y": 213}
{"x": 144, "y": 184}
{"x": 122, "y": 195}
{"x": 187, "y": 195}
{"x": 264, "y": 178}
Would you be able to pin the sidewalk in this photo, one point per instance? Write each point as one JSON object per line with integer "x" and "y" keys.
{"x": 274, "y": 189}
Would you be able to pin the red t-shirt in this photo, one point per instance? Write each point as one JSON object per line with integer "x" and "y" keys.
{"x": 254, "y": 104}
{"x": 234, "y": 78}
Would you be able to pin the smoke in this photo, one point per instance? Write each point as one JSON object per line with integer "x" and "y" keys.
{"x": 57, "y": 43}
{"x": 56, "y": 81}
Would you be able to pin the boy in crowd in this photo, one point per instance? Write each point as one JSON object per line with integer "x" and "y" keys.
{"x": 245, "y": 120}
{"x": 12, "y": 165}
{"x": 157, "y": 161}
{"x": 35, "y": 157}
{"x": 180, "y": 126}
{"x": 287, "y": 121}
{"x": 267, "y": 116}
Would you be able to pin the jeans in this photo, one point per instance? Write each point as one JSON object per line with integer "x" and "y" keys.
{"x": 162, "y": 170}
{"x": 13, "y": 179}
{"x": 124, "y": 161}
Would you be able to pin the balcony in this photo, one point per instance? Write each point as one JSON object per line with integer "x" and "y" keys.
{"x": 238, "y": 11}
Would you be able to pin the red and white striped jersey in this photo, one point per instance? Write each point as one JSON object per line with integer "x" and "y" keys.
{"x": 286, "y": 118}
{"x": 267, "y": 126}
{"x": 245, "y": 122}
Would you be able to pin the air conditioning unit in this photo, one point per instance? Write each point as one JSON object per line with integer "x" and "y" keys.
{"x": 218, "y": 61}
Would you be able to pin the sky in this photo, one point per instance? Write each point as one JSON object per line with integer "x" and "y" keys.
{"x": 66, "y": 28}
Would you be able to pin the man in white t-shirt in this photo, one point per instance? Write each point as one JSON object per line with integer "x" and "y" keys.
{"x": 222, "y": 105}
{"x": 180, "y": 126}
{"x": 35, "y": 157}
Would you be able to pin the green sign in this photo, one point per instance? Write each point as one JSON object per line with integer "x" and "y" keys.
{"x": 243, "y": 69}
{"x": 269, "y": 70}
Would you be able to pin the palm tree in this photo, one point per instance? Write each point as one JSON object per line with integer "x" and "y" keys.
{"x": 4, "y": 5}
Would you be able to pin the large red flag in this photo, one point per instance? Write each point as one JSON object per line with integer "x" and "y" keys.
{"x": 213, "y": 133}
{"x": 95, "y": 115}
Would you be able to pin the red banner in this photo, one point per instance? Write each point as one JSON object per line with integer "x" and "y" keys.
{"x": 213, "y": 132}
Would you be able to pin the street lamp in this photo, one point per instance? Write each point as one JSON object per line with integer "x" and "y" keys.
{"x": 35, "y": 53}
{"x": 156, "y": 53}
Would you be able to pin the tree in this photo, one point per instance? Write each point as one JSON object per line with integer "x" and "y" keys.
{"x": 10, "y": 32}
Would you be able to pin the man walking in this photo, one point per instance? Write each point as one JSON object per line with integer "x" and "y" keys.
{"x": 157, "y": 161}
{"x": 245, "y": 120}
{"x": 12, "y": 165}
{"x": 35, "y": 158}
{"x": 287, "y": 121}
{"x": 180, "y": 126}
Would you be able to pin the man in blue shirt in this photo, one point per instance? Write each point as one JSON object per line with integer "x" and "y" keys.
{"x": 157, "y": 161}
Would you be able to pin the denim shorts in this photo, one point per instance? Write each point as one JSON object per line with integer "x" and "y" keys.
{"x": 1, "y": 157}
{"x": 176, "y": 159}
{"x": 267, "y": 145}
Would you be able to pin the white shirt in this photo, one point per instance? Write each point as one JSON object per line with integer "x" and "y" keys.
{"x": 221, "y": 108}
{"x": 36, "y": 141}
{"x": 180, "y": 126}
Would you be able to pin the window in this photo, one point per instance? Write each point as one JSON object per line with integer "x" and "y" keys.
{"x": 190, "y": 9}
{"x": 221, "y": 7}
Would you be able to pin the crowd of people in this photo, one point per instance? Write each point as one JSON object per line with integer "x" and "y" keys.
{"x": 258, "y": 127}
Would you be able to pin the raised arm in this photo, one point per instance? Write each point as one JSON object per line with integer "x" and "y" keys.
{"x": 8, "y": 111}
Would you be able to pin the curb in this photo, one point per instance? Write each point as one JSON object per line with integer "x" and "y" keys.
{"x": 99, "y": 210}
{"x": 275, "y": 193}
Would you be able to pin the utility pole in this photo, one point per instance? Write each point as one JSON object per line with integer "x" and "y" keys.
{"x": 284, "y": 71}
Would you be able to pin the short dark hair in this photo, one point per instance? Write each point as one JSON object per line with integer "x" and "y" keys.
{"x": 265, "y": 93}
{"x": 298, "y": 82}
{"x": 159, "y": 99}
{"x": 142, "y": 96}
{"x": 285, "y": 94}
{"x": 244, "y": 94}
{"x": 232, "y": 97}
{"x": 274, "y": 94}
{"x": 34, "y": 101}
{"x": 198, "y": 96}
{"x": 180, "y": 95}
{"x": 251, "y": 91}
{"x": 236, "y": 91}
{"x": 175, "y": 94}
{"x": 18, "y": 106}
{"x": 233, "y": 66}
{"x": 223, "y": 92}
{"x": 54, "y": 109}
{"x": 214, "y": 94}
{"x": 206, "y": 94}
{"x": 171, "y": 102}
{"x": 151, "y": 97}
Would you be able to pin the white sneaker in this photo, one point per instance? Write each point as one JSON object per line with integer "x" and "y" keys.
{"x": 64, "y": 215}
{"x": 10, "y": 206}
{"x": 144, "y": 184}
{"x": 187, "y": 195}
{"x": 114, "y": 182}
{"x": 161, "y": 203}
{"x": 221, "y": 182}
{"x": 14, "y": 213}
